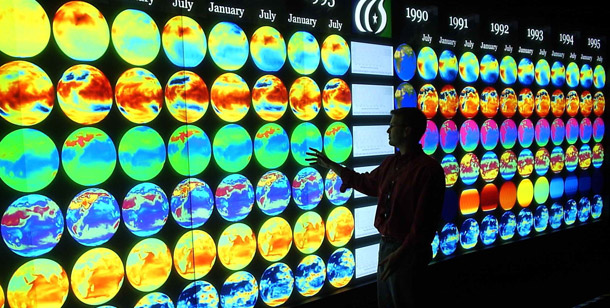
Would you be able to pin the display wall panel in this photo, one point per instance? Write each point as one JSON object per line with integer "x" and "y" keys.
{"x": 513, "y": 125}
{"x": 153, "y": 152}
{"x": 160, "y": 153}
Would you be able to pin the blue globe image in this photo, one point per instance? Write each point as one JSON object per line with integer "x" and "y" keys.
{"x": 307, "y": 188}
{"x": 234, "y": 197}
{"x": 555, "y": 215}
{"x": 310, "y": 275}
{"x": 525, "y": 220}
{"x": 469, "y": 234}
{"x": 597, "y": 204}
{"x": 277, "y": 284}
{"x": 200, "y": 294}
{"x": 489, "y": 230}
{"x": 541, "y": 218}
{"x": 508, "y": 225}
{"x": 239, "y": 290}
{"x": 584, "y": 209}
{"x": 341, "y": 267}
{"x": 570, "y": 212}
{"x": 449, "y": 238}
{"x": 145, "y": 209}
{"x": 32, "y": 225}
{"x": 435, "y": 245}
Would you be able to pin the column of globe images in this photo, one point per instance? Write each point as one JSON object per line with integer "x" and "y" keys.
{"x": 33, "y": 224}
{"x": 528, "y": 141}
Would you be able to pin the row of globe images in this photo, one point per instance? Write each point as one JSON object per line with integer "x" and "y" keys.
{"x": 489, "y": 69}
{"x": 148, "y": 265}
{"x": 137, "y": 40}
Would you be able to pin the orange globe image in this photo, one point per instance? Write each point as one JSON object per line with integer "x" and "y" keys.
{"x": 543, "y": 103}
{"x": 305, "y": 98}
{"x": 269, "y": 98}
{"x": 38, "y": 283}
{"x": 148, "y": 265}
{"x": 236, "y": 246}
{"x": 81, "y": 31}
{"x": 558, "y": 103}
{"x": 274, "y": 239}
{"x": 84, "y": 94}
{"x": 490, "y": 102}
{"x": 525, "y": 102}
{"x": 309, "y": 232}
{"x": 586, "y": 103}
{"x": 340, "y": 226}
{"x": 337, "y": 99}
{"x": 469, "y": 102}
{"x": 194, "y": 254}
{"x": 572, "y": 103}
{"x": 230, "y": 97}
{"x": 26, "y": 93}
{"x": 97, "y": 276}
{"x": 599, "y": 103}
{"x": 138, "y": 95}
{"x": 448, "y": 101}
{"x": 186, "y": 96}
{"x": 427, "y": 100}
{"x": 508, "y": 102}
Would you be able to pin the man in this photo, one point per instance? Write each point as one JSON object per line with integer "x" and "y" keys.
{"x": 410, "y": 188}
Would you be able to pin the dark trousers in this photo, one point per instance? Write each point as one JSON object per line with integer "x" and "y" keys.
{"x": 407, "y": 285}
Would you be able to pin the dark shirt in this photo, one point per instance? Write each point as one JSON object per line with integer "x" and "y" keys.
{"x": 410, "y": 191}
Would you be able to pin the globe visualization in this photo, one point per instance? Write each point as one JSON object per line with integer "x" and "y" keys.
{"x": 93, "y": 217}
{"x": 186, "y": 96}
{"x": 268, "y": 49}
{"x": 135, "y": 37}
{"x": 32, "y": 225}
{"x": 29, "y": 160}
{"x": 191, "y": 203}
{"x": 184, "y": 41}
{"x": 139, "y": 96}
{"x": 303, "y": 52}
{"x": 29, "y": 36}
{"x": 269, "y": 98}
{"x": 239, "y": 290}
{"x": 276, "y": 284}
{"x": 80, "y": 30}
{"x": 234, "y": 197}
{"x": 310, "y": 275}
{"x": 335, "y": 55}
{"x": 273, "y": 192}
{"x": 88, "y": 156}
{"x": 27, "y": 95}
{"x": 228, "y": 46}
{"x": 145, "y": 209}
{"x": 405, "y": 62}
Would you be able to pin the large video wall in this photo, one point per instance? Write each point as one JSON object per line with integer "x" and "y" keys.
{"x": 515, "y": 118}
{"x": 152, "y": 152}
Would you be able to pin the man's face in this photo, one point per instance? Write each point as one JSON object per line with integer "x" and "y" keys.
{"x": 397, "y": 132}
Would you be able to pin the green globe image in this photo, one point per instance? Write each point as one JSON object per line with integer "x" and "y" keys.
{"x": 88, "y": 156}
{"x": 232, "y": 148}
{"x": 28, "y": 160}
{"x": 189, "y": 150}
{"x": 271, "y": 146}
{"x": 304, "y": 136}
{"x": 142, "y": 153}
{"x": 337, "y": 142}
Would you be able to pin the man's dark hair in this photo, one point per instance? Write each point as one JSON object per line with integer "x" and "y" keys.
{"x": 412, "y": 117}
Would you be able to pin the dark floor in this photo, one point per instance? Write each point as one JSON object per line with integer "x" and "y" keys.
{"x": 568, "y": 269}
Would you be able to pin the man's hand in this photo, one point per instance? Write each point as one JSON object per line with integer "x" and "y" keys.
{"x": 390, "y": 263}
{"x": 317, "y": 157}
